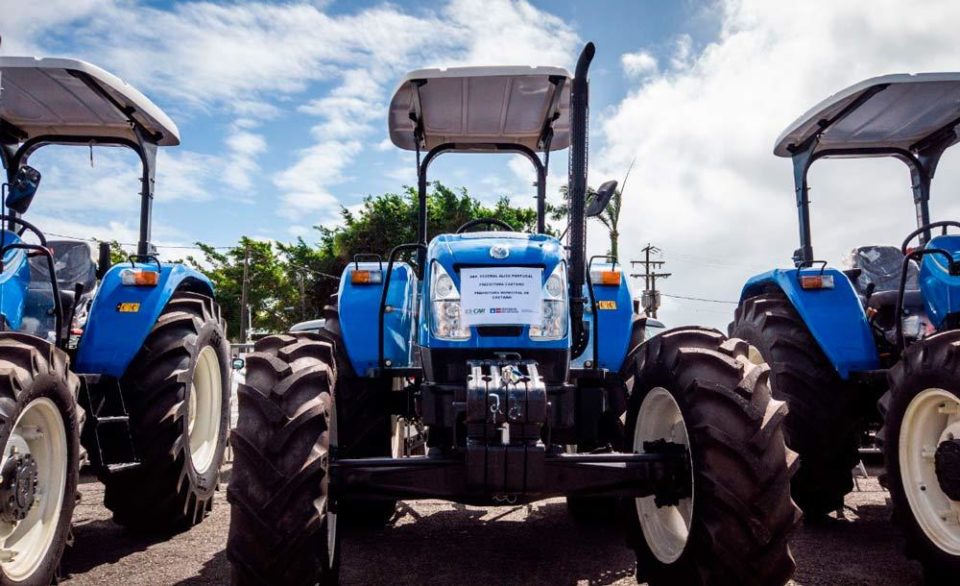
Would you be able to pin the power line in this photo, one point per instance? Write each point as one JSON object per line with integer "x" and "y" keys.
{"x": 98, "y": 240}
{"x": 688, "y": 298}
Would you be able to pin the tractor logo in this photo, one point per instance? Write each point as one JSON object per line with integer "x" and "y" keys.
{"x": 499, "y": 251}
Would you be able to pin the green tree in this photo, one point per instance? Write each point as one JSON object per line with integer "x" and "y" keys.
{"x": 270, "y": 293}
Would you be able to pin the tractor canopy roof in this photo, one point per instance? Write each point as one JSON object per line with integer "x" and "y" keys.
{"x": 69, "y": 98}
{"x": 903, "y": 111}
{"x": 477, "y": 108}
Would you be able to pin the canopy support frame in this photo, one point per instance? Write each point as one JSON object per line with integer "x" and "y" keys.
{"x": 922, "y": 159}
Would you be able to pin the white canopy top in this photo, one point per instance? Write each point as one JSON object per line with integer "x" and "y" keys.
{"x": 482, "y": 106}
{"x": 903, "y": 110}
{"x": 66, "y": 97}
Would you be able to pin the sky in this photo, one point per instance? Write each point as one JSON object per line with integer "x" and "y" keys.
{"x": 282, "y": 112}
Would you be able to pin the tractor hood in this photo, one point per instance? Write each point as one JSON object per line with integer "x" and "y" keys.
{"x": 509, "y": 249}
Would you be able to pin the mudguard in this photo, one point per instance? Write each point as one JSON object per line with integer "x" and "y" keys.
{"x": 121, "y": 316}
{"x": 940, "y": 289}
{"x": 614, "y": 310}
{"x": 359, "y": 312}
{"x": 835, "y": 317}
{"x": 14, "y": 280}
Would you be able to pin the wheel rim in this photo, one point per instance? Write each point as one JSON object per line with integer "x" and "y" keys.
{"x": 932, "y": 417}
{"x": 40, "y": 433}
{"x": 665, "y": 529}
{"x": 203, "y": 410}
{"x": 331, "y": 538}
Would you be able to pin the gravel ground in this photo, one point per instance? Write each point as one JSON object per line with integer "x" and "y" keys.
{"x": 535, "y": 544}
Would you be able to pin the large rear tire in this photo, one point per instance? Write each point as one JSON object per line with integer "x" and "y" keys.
{"x": 824, "y": 421}
{"x": 177, "y": 392}
{"x": 282, "y": 530}
{"x": 39, "y": 432}
{"x": 697, "y": 388}
{"x": 921, "y": 442}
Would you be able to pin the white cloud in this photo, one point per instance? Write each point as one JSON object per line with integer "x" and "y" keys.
{"x": 307, "y": 182}
{"x": 258, "y": 60}
{"x": 244, "y": 147}
{"x": 706, "y": 186}
{"x": 638, "y": 64}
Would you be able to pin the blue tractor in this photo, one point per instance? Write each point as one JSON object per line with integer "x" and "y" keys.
{"x": 884, "y": 328}
{"x": 123, "y": 368}
{"x": 498, "y": 367}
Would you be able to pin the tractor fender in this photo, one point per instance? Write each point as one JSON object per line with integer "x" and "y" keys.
{"x": 359, "y": 312}
{"x": 834, "y": 316}
{"x": 614, "y": 311}
{"x": 121, "y": 316}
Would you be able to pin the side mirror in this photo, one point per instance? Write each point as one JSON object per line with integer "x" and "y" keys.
{"x": 239, "y": 363}
{"x": 601, "y": 199}
{"x": 23, "y": 188}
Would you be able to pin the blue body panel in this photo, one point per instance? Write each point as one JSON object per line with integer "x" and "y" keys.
{"x": 455, "y": 251}
{"x": 835, "y": 317}
{"x": 940, "y": 290}
{"x": 14, "y": 281}
{"x": 112, "y": 338}
{"x": 359, "y": 311}
{"x": 616, "y": 323}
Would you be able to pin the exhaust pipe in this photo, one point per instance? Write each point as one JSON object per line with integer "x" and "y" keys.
{"x": 577, "y": 186}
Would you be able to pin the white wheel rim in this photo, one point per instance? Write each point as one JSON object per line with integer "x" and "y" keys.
{"x": 398, "y": 437}
{"x": 932, "y": 417}
{"x": 41, "y": 433}
{"x": 203, "y": 409}
{"x": 665, "y": 529}
{"x": 331, "y": 538}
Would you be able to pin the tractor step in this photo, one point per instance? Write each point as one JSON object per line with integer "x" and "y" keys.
{"x": 120, "y": 468}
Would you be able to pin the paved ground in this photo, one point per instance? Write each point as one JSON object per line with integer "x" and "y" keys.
{"x": 470, "y": 545}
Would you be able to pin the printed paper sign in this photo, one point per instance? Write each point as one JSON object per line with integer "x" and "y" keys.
{"x": 501, "y": 295}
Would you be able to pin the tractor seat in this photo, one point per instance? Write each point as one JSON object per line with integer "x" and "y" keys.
{"x": 881, "y": 266}
{"x": 885, "y": 299}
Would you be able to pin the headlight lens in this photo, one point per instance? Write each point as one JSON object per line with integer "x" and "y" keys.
{"x": 553, "y": 325}
{"x": 445, "y": 302}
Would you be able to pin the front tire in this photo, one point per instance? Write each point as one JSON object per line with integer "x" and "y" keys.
{"x": 177, "y": 391}
{"x": 697, "y": 388}
{"x": 282, "y": 530}
{"x": 824, "y": 421}
{"x": 39, "y": 432}
{"x": 921, "y": 442}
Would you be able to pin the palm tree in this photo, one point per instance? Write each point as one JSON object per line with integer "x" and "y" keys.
{"x": 609, "y": 217}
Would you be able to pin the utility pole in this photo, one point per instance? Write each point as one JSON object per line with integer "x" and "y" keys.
{"x": 243, "y": 295}
{"x": 650, "y": 301}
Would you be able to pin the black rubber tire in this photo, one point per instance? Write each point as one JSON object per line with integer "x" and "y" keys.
{"x": 931, "y": 363}
{"x": 281, "y": 446}
{"x": 743, "y": 515}
{"x": 365, "y": 426}
{"x": 165, "y": 492}
{"x": 825, "y": 419}
{"x": 31, "y": 368}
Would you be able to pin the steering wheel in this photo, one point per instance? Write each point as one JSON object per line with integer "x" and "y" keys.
{"x": 487, "y": 222}
{"x": 944, "y": 224}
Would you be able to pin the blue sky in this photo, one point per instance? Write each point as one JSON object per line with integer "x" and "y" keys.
{"x": 282, "y": 109}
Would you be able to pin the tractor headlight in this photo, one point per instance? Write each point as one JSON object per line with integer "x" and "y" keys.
{"x": 445, "y": 302}
{"x": 553, "y": 324}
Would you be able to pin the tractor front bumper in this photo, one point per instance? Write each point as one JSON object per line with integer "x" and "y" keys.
{"x": 498, "y": 475}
